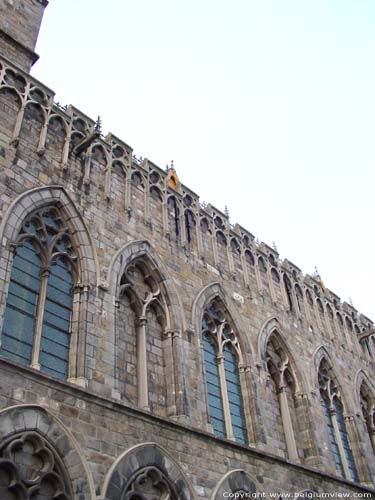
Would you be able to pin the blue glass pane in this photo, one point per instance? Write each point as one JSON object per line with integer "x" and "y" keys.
{"x": 332, "y": 438}
{"x": 50, "y": 220}
{"x": 215, "y": 404}
{"x": 344, "y": 438}
{"x": 234, "y": 395}
{"x": 19, "y": 316}
{"x": 54, "y": 347}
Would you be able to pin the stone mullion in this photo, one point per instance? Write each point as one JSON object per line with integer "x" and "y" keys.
{"x": 184, "y": 238}
{"x": 204, "y": 385}
{"x": 87, "y": 168}
{"x": 66, "y": 147}
{"x": 80, "y": 376}
{"x": 165, "y": 216}
{"x": 358, "y": 455}
{"x": 295, "y": 301}
{"x": 142, "y": 364}
{"x": 258, "y": 277}
{"x": 230, "y": 257}
{"x": 371, "y": 429}
{"x": 146, "y": 202}
{"x": 43, "y": 133}
{"x": 314, "y": 459}
{"x": 17, "y": 127}
{"x": 336, "y": 430}
{"x": 116, "y": 393}
{"x": 271, "y": 285}
{"x": 338, "y": 328}
{"x": 355, "y": 342}
{"x": 245, "y": 271}
{"x": 169, "y": 356}
{"x": 74, "y": 334}
{"x": 214, "y": 248}
{"x": 127, "y": 196}
{"x": 107, "y": 179}
{"x": 347, "y": 334}
{"x": 39, "y": 319}
{"x": 371, "y": 346}
{"x": 224, "y": 397}
{"x": 198, "y": 234}
{"x": 287, "y": 423}
{"x": 245, "y": 381}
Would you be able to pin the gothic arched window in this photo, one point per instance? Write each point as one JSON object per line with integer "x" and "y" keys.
{"x": 222, "y": 361}
{"x": 173, "y": 218}
{"x": 299, "y": 297}
{"x": 31, "y": 468}
{"x": 288, "y": 291}
{"x": 37, "y": 318}
{"x": 368, "y": 411}
{"x": 189, "y": 225}
{"x": 283, "y": 395}
{"x": 334, "y": 416}
{"x": 141, "y": 324}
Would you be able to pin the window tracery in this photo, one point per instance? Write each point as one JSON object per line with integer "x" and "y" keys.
{"x": 190, "y": 225}
{"x": 223, "y": 362}
{"x": 149, "y": 483}
{"x": 173, "y": 217}
{"x": 335, "y": 421}
{"x": 299, "y": 297}
{"x": 30, "y": 468}
{"x": 288, "y": 291}
{"x": 279, "y": 368}
{"x": 37, "y": 318}
{"x": 141, "y": 286}
{"x": 367, "y": 402}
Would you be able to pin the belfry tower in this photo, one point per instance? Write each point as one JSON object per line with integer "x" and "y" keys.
{"x": 19, "y": 28}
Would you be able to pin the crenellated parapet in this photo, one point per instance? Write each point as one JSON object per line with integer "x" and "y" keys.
{"x": 105, "y": 170}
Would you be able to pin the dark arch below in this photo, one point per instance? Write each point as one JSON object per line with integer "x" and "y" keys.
{"x": 138, "y": 458}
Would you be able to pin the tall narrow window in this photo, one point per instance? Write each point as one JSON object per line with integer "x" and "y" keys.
{"x": 334, "y": 415}
{"x": 173, "y": 218}
{"x": 283, "y": 396}
{"x": 368, "y": 411}
{"x": 20, "y": 313}
{"x": 222, "y": 356}
{"x": 38, "y": 312}
{"x": 189, "y": 225}
{"x": 141, "y": 336}
{"x": 288, "y": 291}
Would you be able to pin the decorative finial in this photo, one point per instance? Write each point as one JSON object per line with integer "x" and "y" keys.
{"x": 172, "y": 164}
{"x": 226, "y": 211}
{"x": 98, "y": 125}
{"x": 316, "y": 273}
{"x": 274, "y": 247}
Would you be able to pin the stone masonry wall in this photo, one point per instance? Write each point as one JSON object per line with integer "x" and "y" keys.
{"x": 120, "y": 208}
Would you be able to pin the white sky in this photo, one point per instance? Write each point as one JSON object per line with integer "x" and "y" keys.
{"x": 266, "y": 106}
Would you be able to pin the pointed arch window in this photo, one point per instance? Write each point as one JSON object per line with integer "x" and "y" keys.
{"x": 367, "y": 401}
{"x": 37, "y": 318}
{"x": 222, "y": 362}
{"x": 143, "y": 335}
{"x": 336, "y": 426}
{"x": 189, "y": 225}
{"x": 280, "y": 371}
{"x": 288, "y": 291}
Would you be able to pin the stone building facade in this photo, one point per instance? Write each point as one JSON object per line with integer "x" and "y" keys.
{"x": 150, "y": 349}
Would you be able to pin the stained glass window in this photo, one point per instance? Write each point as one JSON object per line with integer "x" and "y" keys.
{"x": 38, "y": 311}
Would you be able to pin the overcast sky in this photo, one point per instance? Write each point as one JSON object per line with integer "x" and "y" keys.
{"x": 266, "y": 106}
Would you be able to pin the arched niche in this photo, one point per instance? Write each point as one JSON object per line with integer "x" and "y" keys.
{"x": 235, "y": 482}
{"x": 147, "y": 469}
{"x": 30, "y": 433}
